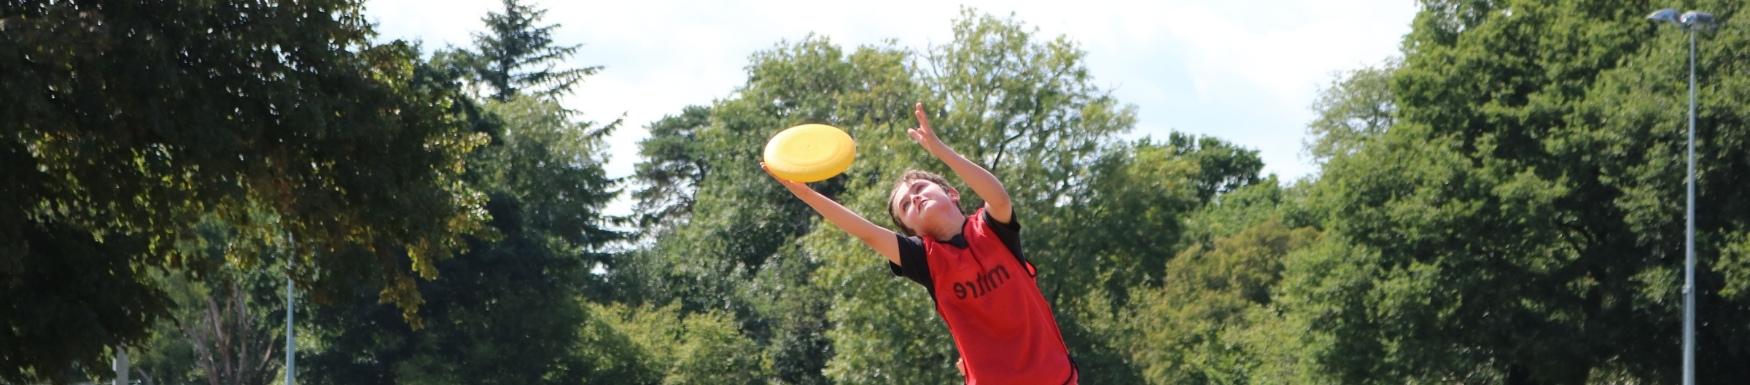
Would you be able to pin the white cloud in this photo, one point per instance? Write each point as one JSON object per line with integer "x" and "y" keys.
{"x": 1244, "y": 71}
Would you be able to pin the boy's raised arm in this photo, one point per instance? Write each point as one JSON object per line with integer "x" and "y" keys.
{"x": 996, "y": 199}
{"x": 881, "y": 239}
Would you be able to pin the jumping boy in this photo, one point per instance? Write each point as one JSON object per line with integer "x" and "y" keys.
{"x": 972, "y": 266}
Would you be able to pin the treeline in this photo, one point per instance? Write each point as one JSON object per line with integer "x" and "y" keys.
{"x": 1502, "y": 204}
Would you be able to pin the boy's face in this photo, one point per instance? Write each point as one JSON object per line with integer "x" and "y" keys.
{"x": 925, "y": 206}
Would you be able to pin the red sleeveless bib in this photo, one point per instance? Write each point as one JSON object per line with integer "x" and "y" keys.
{"x": 1001, "y": 323}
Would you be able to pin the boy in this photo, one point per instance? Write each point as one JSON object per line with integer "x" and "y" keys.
{"x": 982, "y": 286}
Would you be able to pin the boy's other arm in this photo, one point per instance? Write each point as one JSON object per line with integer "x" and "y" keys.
{"x": 982, "y": 182}
{"x": 881, "y": 239}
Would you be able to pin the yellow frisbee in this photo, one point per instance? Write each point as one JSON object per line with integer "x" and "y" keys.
{"x": 810, "y": 152}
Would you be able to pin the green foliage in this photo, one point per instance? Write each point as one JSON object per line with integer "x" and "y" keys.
{"x": 233, "y": 339}
{"x": 885, "y": 329}
{"x": 1525, "y": 205}
{"x": 713, "y": 351}
{"x": 130, "y": 122}
{"x": 660, "y": 345}
{"x": 222, "y": 325}
{"x": 511, "y": 302}
{"x": 546, "y": 189}
{"x": 1734, "y": 265}
{"x": 509, "y": 305}
{"x": 1026, "y": 109}
{"x": 728, "y": 242}
{"x": 1213, "y": 318}
{"x": 1356, "y": 108}
{"x": 549, "y": 167}
{"x": 671, "y": 168}
{"x": 517, "y": 56}
{"x": 1206, "y": 324}
{"x": 1501, "y": 205}
{"x": 219, "y": 319}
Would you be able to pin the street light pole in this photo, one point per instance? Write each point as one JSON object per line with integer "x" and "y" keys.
{"x": 291, "y": 340}
{"x": 1690, "y": 22}
{"x": 291, "y": 337}
{"x": 1689, "y": 235}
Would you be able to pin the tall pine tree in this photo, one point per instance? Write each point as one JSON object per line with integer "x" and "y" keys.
{"x": 517, "y": 56}
{"x": 511, "y": 301}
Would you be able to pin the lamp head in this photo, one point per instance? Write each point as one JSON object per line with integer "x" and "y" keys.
{"x": 1694, "y": 19}
{"x": 1666, "y": 15}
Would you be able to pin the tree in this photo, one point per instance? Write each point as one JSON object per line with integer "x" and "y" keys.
{"x": 673, "y": 348}
{"x": 671, "y": 169}
{"x": 517, "y": 57}
{"x": 511, "y": 302}
{"x": 1026, "y": 109}
{"x": 1097, "y": 212}
{"x": 1214, "y": 319}
{"x": 231, "y": 343}
{"x": 1357, "y": 107}
{"x": 1129, "y": 218}
{"x": 1523, "y": 207}
{"x": 734, "y": 250}
{"x": 1125, "y": 225}
{"x": 132, "y": 121}
{"x": 551, "y": 165}
{"x": 220, "y": 325}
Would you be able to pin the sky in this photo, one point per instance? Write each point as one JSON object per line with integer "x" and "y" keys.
{"x": 1245, "y": 71}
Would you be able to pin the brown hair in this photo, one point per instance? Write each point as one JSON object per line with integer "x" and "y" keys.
{"x": 905, "y": 179}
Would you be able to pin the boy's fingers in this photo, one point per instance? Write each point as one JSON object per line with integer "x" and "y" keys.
{"x": 768, "y": 171}
{"x": 923, "y": 120}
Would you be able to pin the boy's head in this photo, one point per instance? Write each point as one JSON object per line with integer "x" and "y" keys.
{"x": 921, "y": 200}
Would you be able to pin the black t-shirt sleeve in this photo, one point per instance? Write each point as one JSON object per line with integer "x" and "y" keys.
{"x": 913, "y": 260}
{"x": 1009, "y": 233}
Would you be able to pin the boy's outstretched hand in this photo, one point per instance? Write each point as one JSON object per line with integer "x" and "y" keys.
{"x": 975, "y": 176}
{"x": 877, "y": 237}
{"x": 786, "y": 182}
{"x": 923, "y": 134}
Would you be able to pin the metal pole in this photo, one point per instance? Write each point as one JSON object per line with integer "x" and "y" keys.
{"x": 1689, "y": 236}
{"x": 121, "y": 365}
{"x": 291, "y": 337}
